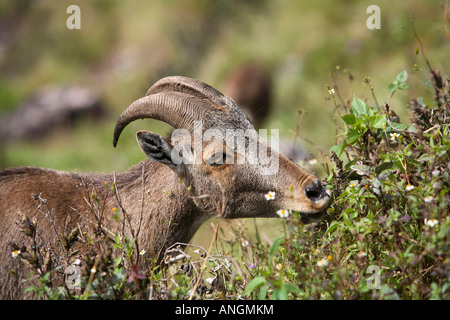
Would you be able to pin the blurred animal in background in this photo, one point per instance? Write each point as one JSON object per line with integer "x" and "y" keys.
{"x": 251, "y": 87}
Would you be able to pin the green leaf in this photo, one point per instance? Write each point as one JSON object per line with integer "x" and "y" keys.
{"x": 378, "y": 121}
{"x": 398, "y": 126}
{"x": 353, "y": 135}
{"x": 263, "y": 292}
{"x": 338, "y": 149}
{"x": 253, "y": 284}
{"x": 349, "y": 119}
{"x": 284, "y": 290}
{"x": 400, "y": 82}
{"x": 276, "y": 243}
{"x": 384, "y": 166}
{"x": 402, "y": 76}
{"x": 428, "y": 83}
{"x": 349, "y": 164}
{"x": 333, "y": 226}
{"x": 359, "y": 108}
{"x": 347, "y": 221}
{"x": 392, "y": 87}
{"x": 402, "y": 86}
{"x": 30, "y": 289}
{"x": 45, "y": 277}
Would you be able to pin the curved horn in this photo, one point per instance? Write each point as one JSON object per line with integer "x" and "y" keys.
{"x": 189, "y": 86}
{"x": 180, "y": 110}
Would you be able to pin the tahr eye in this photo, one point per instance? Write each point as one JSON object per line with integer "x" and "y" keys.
{"x": 217, "y": 159}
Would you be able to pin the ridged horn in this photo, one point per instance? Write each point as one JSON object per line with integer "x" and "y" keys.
{"x": 178, "y": 109}
{"x": 189, "y": 86}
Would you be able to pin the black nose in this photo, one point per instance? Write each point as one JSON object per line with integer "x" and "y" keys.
{"x": 315, "y": 191}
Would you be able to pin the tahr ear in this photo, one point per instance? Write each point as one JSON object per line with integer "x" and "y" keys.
{"x": 155, "y": 147}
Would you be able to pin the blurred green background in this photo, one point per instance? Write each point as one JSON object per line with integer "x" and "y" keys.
{"x": 123, "y": 47}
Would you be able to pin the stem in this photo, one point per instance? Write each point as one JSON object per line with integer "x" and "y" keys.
{"x": 208, "y": 254}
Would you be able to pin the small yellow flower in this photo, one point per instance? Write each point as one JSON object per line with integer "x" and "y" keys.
{"x": 142, "y": 252}
{"x": 283, "y": 213}
{"x": 322, "y": 262}
{"x": 15, "y": 253}
{"x": 428, "y": 198}
{"x": 353, "y": 184}
{"x": 279, "y": 266}
{"x": 114, "y": 209}
{"x": 431, "y": 223}
{"x": 409, "y": 187}
{"x": 395, "y": 136}
{"x": 312, "y": 161}
{"x": 330, "y": 257}
{"x": 270, "y": 195}
{"x": 316, "y": 251}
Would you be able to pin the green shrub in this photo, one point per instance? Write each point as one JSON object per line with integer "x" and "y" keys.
{"x": 387, "y": 233}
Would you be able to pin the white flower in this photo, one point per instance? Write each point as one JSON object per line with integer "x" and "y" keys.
{"x": 361, "y": 254}
{"x": 283, "y": 213}
{"x": 436, "y": 172}
{"x": 322, "y": 262}
{"x": 409, "y": 187}
{"x": 279, "y": 266}
{"x": 431, "y": 223}
{"x": 331, "y": 91}
{"x": 353, "y": 184}
{"x": 312, "y": 161}
{"x": 93, "y": 270}
{"x": 437, "y": 185}
{"x": 15, "y": 253}
{"x": 142, "y": 252}
{"x": 395, "y": 136}
{"x": 428, "y": 198}
{"x": 270, "y": 195}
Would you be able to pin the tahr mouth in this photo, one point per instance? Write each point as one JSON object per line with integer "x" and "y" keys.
{"x": 310, "y": 217}
{"x": 307, "y": 218}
